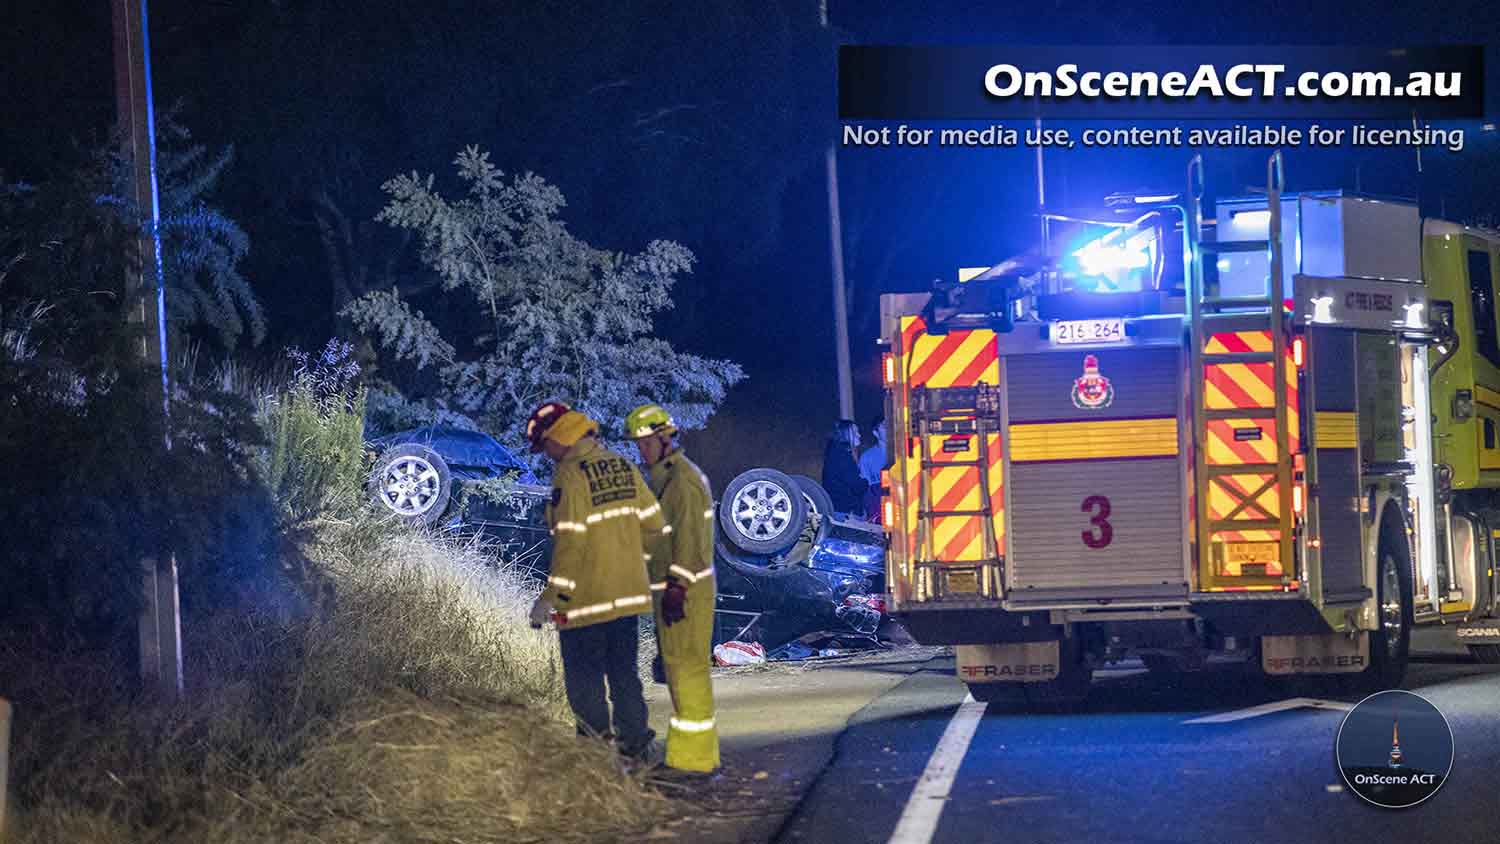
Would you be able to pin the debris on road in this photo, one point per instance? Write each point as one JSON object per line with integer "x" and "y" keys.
{"x": 739, "y": 653}
{"x": 825, "y": 644}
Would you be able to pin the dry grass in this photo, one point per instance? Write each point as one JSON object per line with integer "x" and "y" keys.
{"x": 413, "y": 705}
{"x": 443, "y": 619}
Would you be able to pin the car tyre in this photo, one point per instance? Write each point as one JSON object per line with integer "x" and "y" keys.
{"x": 762, "y": 511}
{"x": 411, "y": 482}
{"x": 819, "y": 502}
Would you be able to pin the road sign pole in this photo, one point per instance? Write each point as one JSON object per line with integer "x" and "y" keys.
{"x": 4, "y": 760}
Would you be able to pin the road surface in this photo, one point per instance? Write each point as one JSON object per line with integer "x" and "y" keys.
{"x": 1216, "y": 758}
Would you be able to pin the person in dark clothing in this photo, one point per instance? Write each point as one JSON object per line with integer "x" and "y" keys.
{"x": 871, "y": 463}
{"x": 841, "y": 475}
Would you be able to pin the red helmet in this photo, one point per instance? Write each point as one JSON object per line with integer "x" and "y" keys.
{"x": 542, "y": 419}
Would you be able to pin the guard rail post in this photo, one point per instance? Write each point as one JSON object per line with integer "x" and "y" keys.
{"x": 4, "y": 760}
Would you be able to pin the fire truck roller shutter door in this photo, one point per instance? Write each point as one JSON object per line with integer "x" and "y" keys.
{"x": 1095, "y": 475}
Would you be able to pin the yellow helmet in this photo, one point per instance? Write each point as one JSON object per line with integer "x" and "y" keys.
{"x": 570, "y": 428}
{"x": 649, "y": 419}
{"x": 541, "y": 419}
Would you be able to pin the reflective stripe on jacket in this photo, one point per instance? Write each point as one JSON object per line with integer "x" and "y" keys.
{"x": 601, "y": 515}
{"x": 686, "y": 552}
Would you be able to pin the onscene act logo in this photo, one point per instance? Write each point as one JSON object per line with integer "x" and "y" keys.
{"x": 1394, "y": 749}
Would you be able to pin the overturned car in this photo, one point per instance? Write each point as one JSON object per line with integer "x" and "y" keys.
{"x": 781, "y": 550}
{"x": 786, "y": 562}
{"x": 459, "y": 479}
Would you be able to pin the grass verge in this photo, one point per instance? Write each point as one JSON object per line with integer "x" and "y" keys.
{"x": 408, "y": 701}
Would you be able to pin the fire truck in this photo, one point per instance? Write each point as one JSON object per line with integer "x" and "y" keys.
{"x": 1267, "y": 437}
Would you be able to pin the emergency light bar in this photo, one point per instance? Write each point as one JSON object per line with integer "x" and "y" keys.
{"x": 1124, "y": 259}
{"x": 1111, "y": 257}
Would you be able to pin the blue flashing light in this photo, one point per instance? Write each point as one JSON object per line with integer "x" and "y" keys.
{"x": 1120, "y": 260}
{"x": 1098, "y": 259}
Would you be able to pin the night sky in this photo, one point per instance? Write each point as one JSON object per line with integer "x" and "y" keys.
{"x": 703, "y": 123}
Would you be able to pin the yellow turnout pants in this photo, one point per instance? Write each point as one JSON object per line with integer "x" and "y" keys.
{"x": 692, "y": 739}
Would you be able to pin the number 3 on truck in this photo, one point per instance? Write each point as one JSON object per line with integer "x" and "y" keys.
{"x": 1100, "y": 534}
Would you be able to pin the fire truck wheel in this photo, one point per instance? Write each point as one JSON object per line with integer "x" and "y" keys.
{"x": 1390, "y": 643}
{"x": 762, "y": 512}
{"x": 1488, "y": 654}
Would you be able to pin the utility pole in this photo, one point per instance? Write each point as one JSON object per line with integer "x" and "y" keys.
{"x": 840, "y": 297}
{"x": 160, "y": 626}
{"x": 1041, "y": 184}
{"x": 836, "y": 243}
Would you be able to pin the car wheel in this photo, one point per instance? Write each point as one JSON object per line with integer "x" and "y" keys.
{"x": 763, "y": 511}
{"x": 819, "y": 503}
{"x": 411, "y": 482}
{"x": 814, "y": 528}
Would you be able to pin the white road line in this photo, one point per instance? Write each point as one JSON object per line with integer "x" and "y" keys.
{"x": 919, "y": 819}
{"x": 1269, "y": 708}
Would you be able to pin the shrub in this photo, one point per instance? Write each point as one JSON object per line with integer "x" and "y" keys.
{"x": 313, "y": 465}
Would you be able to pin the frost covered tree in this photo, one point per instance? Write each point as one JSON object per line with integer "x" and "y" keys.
{"x": 552, "y": 316}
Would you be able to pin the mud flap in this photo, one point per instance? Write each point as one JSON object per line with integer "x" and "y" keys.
{"x": 1328, "y": 653}
{"x": 1017, "y": 662}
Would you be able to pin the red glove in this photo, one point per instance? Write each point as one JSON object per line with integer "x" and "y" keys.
{"x": 674, "y": 603}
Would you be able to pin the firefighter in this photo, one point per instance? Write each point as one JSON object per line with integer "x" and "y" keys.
{"x": 682, "y": 574}
{"x": 598, "y": 586}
